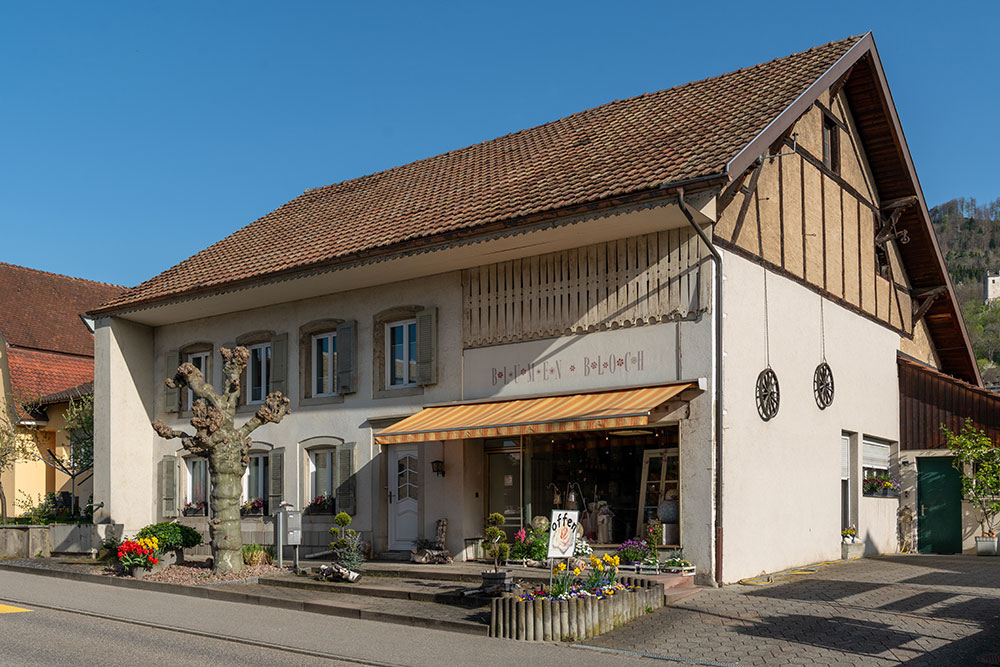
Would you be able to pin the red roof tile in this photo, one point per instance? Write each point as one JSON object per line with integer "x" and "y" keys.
{"x": 622, "y": 148}
{"x": 34, "y": 374}
{"x": 42, "y": 310}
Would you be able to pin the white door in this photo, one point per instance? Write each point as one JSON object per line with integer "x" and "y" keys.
{"x": 404, "y": 490}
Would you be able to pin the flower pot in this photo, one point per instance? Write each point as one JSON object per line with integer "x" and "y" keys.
{"x": 139, "y": 572}
{"x": 986, "y": 546}
{"x": 852, "y": 550}
{"x": 494, "y": 582}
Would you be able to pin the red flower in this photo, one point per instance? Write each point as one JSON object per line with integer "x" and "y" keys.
{"x": 154, "y": 561}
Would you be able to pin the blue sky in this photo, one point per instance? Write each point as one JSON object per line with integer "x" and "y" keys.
{"x": 133, "y": 134}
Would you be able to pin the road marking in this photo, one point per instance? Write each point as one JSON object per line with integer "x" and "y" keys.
{"x": 7, "y": 609}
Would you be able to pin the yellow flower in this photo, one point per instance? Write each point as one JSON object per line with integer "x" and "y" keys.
{"x": 562, "y": 566}
{"x": 600, "y": 568}
{"x": 617, "y": 560}
{"x": 607, "y": 558}
{"x": 576, "y": 571}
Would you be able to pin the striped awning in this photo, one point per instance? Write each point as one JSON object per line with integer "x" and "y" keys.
{"x": 548, "y": 414}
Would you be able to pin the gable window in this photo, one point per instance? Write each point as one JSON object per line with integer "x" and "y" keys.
{"x": 255, "y": 484}
{"x": 831, "y": 145}
{"x": 200, "y": 361}
{"x": 324, "y": 364}
{"x": 258, "y": 370}
{"x": 401, "y": 353}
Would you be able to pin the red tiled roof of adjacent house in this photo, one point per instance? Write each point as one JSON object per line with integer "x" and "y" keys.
{"x": 622, "y": 148}
{"x": 42, "y": 310}
{"x": 35, "y": 373}
{"x": 85, "y": 389}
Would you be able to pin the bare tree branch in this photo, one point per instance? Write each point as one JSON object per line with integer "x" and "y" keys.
{"x": 273, "y": 410}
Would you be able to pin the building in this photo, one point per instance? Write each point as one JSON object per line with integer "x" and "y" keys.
{"x": 991, "y": 286}
{"x": 46, "y": 359}
{"x": 534, "y": 323}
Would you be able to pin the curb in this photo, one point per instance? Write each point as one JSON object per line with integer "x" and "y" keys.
{"x": 212, "y": 593}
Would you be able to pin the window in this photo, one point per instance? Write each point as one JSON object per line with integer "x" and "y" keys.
{"x": 200, "y": 361}
{"x": 845, "y": 481}
{"x": 258, "y": 371}
{"x": 831, "y": 145}
{"x": 255, "y": 482}
{"x": 197, "y": 486}
{"x": 874, "y": 458}
{"x": 321, "y": 473}
{"x": 401, "y": 353}
{"x": 324, "y": 364}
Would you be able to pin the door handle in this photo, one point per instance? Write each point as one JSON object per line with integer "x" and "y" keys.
{"x": 923, "y": 511}
{"x": 390, "y": 497}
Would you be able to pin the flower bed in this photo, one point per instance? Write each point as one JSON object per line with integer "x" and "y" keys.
{"x": 578, "y": 613}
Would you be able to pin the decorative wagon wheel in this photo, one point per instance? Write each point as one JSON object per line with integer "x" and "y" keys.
{"x": 768, "y": 394}
{"x": 823, "y": 386}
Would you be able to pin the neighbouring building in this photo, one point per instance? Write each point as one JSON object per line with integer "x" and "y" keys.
{"x": 991, "y": 286}
{"x": 685, "y": 307}
{"x": 46, "y": 359}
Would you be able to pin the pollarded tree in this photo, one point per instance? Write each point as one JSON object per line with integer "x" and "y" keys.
{"x": 224, "y": 445}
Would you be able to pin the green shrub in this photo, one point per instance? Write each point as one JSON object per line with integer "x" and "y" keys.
{"x": 348, "y": 550}
{"x": 495, "y": 543}
{"x": 172, "y": 535}
{"x": 256, "y": 554}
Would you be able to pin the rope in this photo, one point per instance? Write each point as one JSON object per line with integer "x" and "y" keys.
{"x": 767, "y": 334}
{"x": 822, "y": 330}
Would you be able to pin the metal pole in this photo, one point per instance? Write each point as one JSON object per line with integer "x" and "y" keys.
{"x": 279, "y": 537}
{"x": 296, "y": 559}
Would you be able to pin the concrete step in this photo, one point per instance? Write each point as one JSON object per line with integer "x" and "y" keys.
{"x": 395, "y": 556}
{"x": 420, "y": 590}
{"x": 676, "y": 594}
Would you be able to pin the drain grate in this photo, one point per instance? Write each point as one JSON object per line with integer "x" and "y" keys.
{"x": 989, "y": 659}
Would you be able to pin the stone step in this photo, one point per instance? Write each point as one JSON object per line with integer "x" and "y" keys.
{"x": 395, "y": 556}
{"x": 676, "y": 594}
{"x": 421, "y": 590}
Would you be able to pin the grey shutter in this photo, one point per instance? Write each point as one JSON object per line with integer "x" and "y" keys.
{"x": 346, "y": 480}
{"x": 845, "y": 457}
{"x": 427, "y": 346}
{"x": 347, "y": 367}
{"x": 276, "y": 478}
{"x": 171, "y": 397}
{"x": 874, "y": 455}
{"x": 279, "y": 364}
{"x": 168, "y": 486}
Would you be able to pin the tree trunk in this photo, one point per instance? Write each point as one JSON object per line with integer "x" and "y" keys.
{"x": 226, "y": 469}
{"x": 3, "y": 505}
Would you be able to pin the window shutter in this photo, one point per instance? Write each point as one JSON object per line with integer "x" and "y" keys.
{"x": 845, "y": 457}
{"x": 276, "y": 483}
{"x": 279, "y": 364}
{"x": 427, "y": 346}
{"x": 874, "y": 455}
{"x": 168, "y": 486}
{"x": 347, "y": 372}
{"x": 346, "y": 479}
{"x": 171, "y": 397}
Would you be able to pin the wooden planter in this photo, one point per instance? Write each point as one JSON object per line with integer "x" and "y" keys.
{"x": 575, "y": 619}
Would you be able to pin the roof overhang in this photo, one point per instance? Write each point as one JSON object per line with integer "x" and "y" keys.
{"x": 560, "y": 233}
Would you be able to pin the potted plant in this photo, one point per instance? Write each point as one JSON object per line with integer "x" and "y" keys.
{"x": 254, "y": 506}
{"x": 194, "y": 509}
{"x": 977, "y": 460}
{"x": 322, "y": 504}
{"x": 172, "y": 538}
{"x": 495, "y": 547}
{"x": 849, "y": 535}
{"x": 138, "y": 556}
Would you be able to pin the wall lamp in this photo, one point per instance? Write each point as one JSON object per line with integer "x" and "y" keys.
{"x": 438, "y": 467}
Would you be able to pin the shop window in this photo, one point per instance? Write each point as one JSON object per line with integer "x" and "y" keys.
{"x": 255, "y": 483}
{"x": 621, "y": 482}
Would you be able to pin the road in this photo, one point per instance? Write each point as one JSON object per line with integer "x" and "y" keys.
{"x": 78, "y": 623}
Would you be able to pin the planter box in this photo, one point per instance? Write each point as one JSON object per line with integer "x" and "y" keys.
{"x": 851, "y": 550}
{"x": 572, "y": 620}
{"x": 986, "y": 546}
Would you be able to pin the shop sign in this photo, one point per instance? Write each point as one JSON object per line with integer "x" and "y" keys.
{"x": 562, "y": 533}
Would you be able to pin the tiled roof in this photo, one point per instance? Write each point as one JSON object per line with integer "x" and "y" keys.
{"x": 622, "y": 148}
{"x": 85, "y": 389}
{"x": 42, "y": 310}
{"x": 34, "y": 373}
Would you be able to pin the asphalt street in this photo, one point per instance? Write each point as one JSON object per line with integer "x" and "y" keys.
{"x": 68, "y": 625}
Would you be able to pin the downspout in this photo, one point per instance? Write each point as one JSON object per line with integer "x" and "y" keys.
{"x": 716, "y": 382}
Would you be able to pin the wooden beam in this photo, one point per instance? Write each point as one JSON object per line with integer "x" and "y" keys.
{"x": 885, "y": 231}
{"x": 839, "y": 83}
{"x": 747, "y": 196}
{"x": 898, "y": 203}
{"x": 921, "y": 310}
{"x": 929, "y": 291}
{"x": 733, "y": 188}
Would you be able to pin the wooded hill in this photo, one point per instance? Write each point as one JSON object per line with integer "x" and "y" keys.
{"x": 969, "y": 235}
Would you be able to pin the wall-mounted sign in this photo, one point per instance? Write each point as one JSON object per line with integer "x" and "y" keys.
{"x": 562, "y": 533}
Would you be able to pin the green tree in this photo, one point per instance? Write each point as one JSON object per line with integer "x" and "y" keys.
{"x": 226, "y": 446}
{"x": 977, "y": 459}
